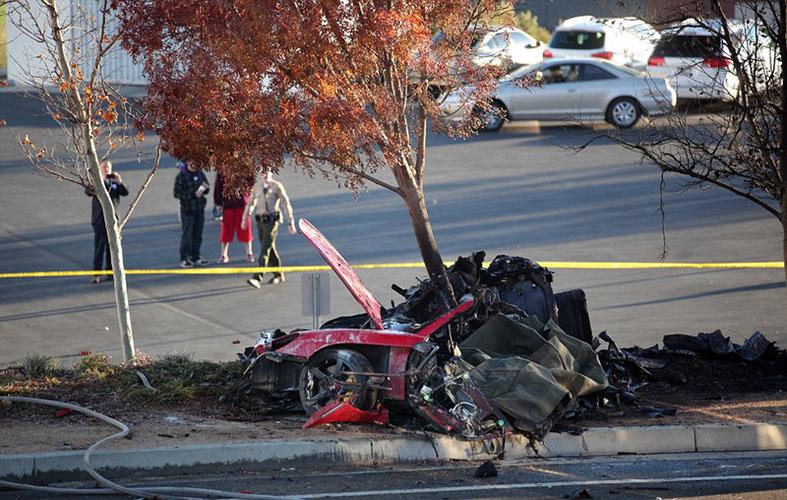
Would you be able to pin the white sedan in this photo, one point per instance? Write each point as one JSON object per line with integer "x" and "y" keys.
{"x": 571, "y": 90}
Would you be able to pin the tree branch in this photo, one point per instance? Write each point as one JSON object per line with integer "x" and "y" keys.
{"x": 142, "y": 189}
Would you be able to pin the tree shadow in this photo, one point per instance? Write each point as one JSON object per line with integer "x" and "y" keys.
{"x": 775, "y": 285}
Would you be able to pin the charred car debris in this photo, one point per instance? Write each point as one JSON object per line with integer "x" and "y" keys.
{"x": 501, "y": 359}
{"x": 511, "y": 355}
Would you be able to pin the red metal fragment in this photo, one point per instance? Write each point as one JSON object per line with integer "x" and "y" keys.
{"x": 342, "y": 411}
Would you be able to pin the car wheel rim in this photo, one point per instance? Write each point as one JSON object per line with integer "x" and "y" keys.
{"x": 624, "y": 113}
{"x": 492, "y": 119}
{"x": 327, "y": 381}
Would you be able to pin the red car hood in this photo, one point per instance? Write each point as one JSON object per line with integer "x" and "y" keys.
{"x": 340, "y": 266}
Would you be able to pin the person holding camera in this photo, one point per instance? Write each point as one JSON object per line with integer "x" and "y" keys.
{"x": 191, "y": 186}
{"x": 113, "y": 183}
{"x": 265, "y": 204}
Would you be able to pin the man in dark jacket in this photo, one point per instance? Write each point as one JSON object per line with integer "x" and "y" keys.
{"x": 191, "y": 186}
{"x": 113, "y": 183}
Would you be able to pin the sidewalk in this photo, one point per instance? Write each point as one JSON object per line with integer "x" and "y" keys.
{"x": 281, "y": 443}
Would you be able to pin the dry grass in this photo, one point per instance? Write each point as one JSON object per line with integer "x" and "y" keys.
{"x": 179, "y": 382}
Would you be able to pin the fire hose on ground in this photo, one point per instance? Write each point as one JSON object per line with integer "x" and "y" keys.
{"x": 111, "y": 486}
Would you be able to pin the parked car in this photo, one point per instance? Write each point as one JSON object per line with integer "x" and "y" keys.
{"x": 506, "y": 46}
{"x": 576, "y": 89}
{"x": 696, "y": 59}
{"x": 627, "y": 40}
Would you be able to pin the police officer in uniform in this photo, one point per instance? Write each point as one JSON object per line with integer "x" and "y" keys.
{"x": 265, "y": 204}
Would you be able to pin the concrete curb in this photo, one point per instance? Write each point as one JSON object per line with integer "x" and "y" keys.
{"x": 604, "y": 441}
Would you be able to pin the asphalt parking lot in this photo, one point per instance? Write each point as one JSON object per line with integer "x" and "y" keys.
{"x": 522, "y": 191}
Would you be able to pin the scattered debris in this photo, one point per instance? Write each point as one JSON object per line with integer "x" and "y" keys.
{"x": 486, "y": 470}
{"x": 716, "y": 343}
{"x": 62, "y": 412}
{"x": 684, "y": 359}
{"x": 583, "y": 493}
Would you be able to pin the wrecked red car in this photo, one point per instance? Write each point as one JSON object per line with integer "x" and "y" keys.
{"x": 410, "y": 357}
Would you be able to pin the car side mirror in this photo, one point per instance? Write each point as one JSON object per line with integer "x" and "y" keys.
{"x": 534, "y": 45}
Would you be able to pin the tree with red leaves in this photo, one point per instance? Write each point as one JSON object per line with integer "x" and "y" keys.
{"x": 343, "y": 89}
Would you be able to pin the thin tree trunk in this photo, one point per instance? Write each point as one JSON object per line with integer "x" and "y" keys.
{"x": 784, "y": 236}
{"x": 115, "y": 248}
{"x": 782, "y": 45}
{"x": 422, "y": 227}
{"x": 81, "y": 110}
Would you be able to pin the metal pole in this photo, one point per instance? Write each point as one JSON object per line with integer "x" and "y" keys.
{"x": 315, "y": 279}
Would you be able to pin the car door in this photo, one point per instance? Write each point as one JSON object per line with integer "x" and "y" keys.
{"x": 597, "y": 86}
{"x": 557, "y": 98}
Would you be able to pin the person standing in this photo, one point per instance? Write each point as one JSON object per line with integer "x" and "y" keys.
{"x": 265, "y": 203}
{"x": 232, "y": 208}
{"x": 113, "y": 183}
{"x": 191, "y": 186}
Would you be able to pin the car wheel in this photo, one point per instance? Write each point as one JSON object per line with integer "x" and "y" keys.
{"x": 492, "y": 119}
{"x": 324, "y": 379}
{"x": 623, "y": 112}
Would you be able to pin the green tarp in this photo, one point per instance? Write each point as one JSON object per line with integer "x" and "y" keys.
{"x": 531, "y": 371}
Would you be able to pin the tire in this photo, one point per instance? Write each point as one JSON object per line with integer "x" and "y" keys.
{"x": 494, "y": 118}
{"x": 573, "y": 317}
{"x": 623, "y": 112}
{"x": 317, "y": 380}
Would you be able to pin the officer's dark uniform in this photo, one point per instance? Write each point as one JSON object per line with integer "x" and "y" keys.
{"x": 100, "y": 241}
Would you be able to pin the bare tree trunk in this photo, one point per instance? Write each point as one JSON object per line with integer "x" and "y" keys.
{"x": 422, "y": 227}
{"x": 115, "y": 247}
{"x": 782, "y": 46}
{"x": 784, "y": 234}
{"x": 81, "y": 110}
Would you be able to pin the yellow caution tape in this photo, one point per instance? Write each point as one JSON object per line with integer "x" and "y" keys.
{"x": 404, "y": 265}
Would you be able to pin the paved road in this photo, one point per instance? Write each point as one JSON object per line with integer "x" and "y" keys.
{"x": 744, "y": 475}
{"x": 519, "y": 192}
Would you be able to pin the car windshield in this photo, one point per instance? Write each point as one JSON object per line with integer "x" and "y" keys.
{"x": 578, "y": 40}
{"x": 478, "y": 37}
{"x": 688, "y": 46}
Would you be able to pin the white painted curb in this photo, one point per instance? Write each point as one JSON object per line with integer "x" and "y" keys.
{"x": 593, "y": 442}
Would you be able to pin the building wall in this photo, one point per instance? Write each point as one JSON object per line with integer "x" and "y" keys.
{"x": 25, "y": 67}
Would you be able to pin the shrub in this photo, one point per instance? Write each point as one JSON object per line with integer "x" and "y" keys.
{"x": 38, "y": 366}
{"x": 98, "y": 366}
{"x": 528, "y": 23}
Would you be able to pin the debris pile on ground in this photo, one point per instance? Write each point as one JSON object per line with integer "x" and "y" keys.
{"x": 507, "y": 353}
{"x": 706, "y": 366}
{"x": 497, "y": 359}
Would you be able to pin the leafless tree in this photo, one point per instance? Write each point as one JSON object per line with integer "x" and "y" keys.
{"x": 74, "y": 42}
{"x": 740, "y": 146}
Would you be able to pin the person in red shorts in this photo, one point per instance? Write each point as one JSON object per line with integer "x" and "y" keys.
{"x": 232, "y": 208}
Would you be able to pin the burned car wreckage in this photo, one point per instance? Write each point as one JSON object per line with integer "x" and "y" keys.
{"x": 511, "y": 354}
